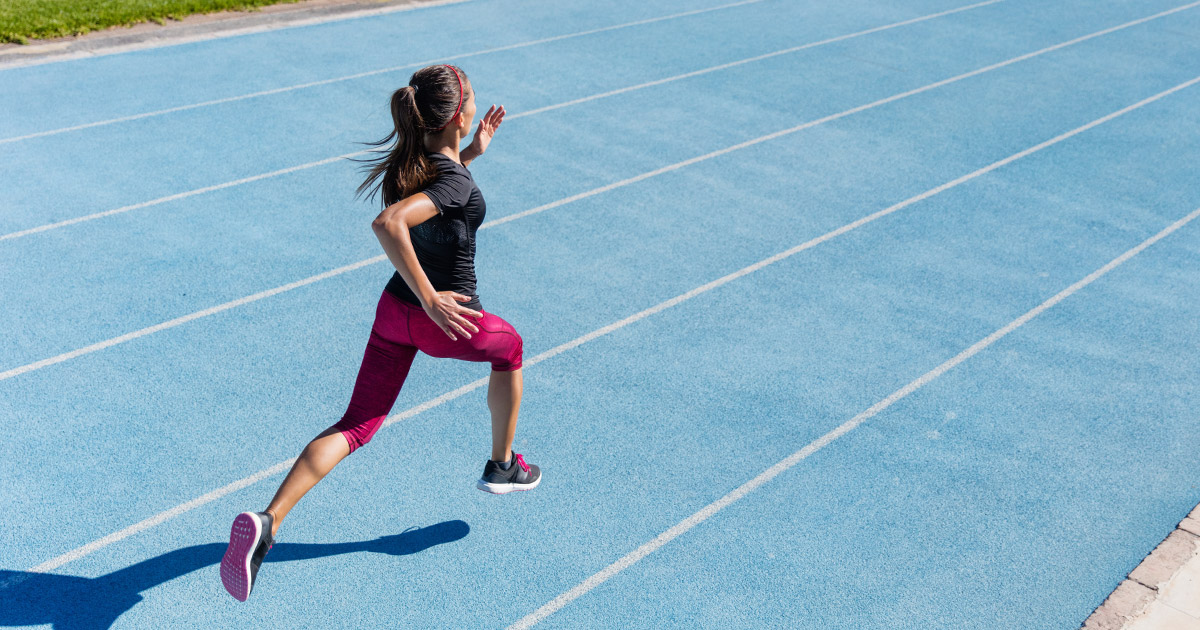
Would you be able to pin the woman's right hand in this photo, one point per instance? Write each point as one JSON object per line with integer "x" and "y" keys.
{"x": 446, "y": 312}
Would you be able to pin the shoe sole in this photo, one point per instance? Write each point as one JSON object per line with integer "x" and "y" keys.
{"x": 505, "y": 488}
{"x": 235, "y": 566}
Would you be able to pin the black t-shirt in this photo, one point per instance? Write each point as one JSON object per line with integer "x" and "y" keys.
{"x": 445, "y": 244}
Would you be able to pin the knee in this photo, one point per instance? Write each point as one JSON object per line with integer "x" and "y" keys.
{"x": 357, "y": 434}
{"x": 352, "y": 440}
{"x": 513, "y": 358}
{"x": 518, "y": 353}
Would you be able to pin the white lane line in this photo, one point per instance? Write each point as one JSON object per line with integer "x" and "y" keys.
{"x": 369, "y": 73}
{"x": 777, "y": 53}
{"x": 451, "y": 395}
{"x": 280, "y": 22}
{"x": 709, "y": 510}
{"x": 595, "y": 191}
{"x": 157, "y": 519}
{"x": 177, "y": 196}
{"x": 187, "y": 318}
{"x": 585, "y": 99}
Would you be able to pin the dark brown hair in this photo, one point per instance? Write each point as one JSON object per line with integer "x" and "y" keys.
{"x": 426, "y": 104}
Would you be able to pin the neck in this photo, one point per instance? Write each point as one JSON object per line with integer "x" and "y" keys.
{"x": 446, "y": 143}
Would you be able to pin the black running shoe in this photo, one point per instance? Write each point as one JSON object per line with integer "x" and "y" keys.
{"x": 519, "y": 476}
{"x": 249, "y": 541}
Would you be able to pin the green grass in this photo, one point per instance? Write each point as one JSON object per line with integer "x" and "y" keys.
{"x": 22, "y": 20}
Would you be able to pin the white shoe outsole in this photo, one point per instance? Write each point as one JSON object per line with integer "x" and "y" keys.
{"x": 505, "y": 488}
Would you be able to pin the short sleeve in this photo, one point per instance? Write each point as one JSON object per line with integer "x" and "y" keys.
{"x": 450, "y": 191}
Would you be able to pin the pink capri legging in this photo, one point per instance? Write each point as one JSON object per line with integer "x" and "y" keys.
{"x": 400, "y": 330}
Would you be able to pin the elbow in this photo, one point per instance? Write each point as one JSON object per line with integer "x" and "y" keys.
{"x": 385, "y": 224}
{"x": 390, "y": 221}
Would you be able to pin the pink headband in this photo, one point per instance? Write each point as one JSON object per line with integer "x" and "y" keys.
{"x": 460, "y": 98}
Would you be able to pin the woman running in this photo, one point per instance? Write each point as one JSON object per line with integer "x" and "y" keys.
{"x": 432, "y": 209}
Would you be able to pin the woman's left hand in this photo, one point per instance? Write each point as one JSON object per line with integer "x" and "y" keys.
{"x": 486, "y": 129}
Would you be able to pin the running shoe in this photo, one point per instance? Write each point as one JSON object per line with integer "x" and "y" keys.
{"x": 519, "y": 476}
{"x": 249, "y": 541}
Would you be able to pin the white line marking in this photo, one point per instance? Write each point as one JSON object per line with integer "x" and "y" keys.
{"x": 187, "y": 318}
{"x": 182, "y": 195}
{"x": 329, "y": 274}
{"x": 777, "y": 53}
{"x": 173, "y": 40}
{"x": 293, "y": 169}
{"x": 157, "y": 519}
{"x": 706, "y": 512}
{"x": 451, "y": 395}
{"x": 369, "y": 73}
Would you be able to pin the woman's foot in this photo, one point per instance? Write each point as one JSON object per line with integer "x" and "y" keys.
{"x": 518, "y": 476}
{"x": 249, "y": 541}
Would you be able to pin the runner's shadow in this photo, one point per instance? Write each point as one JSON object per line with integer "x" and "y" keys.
{"x": 79, "y": 603}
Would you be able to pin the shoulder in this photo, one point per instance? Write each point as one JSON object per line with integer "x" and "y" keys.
{"x": 452, "y": 184}
{"x": 448, "y": 169}
{"x": 445, "y": 164}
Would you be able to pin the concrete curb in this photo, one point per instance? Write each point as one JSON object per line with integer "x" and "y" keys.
{"x": 201, "y": 27}
{"x": 1141, "y": 589}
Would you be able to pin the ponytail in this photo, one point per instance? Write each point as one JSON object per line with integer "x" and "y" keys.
{"x": 402, "y": 169}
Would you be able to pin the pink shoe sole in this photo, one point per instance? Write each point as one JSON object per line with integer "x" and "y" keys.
{"x": 235, "y": 566}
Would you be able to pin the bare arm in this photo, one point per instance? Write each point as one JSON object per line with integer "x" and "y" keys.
{"x": 483, "y": 135}
{"x": 466, "y": 155}
{"x": 391, "y": 227}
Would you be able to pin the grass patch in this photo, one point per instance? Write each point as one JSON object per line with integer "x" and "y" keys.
{"x": 22, "y": 20}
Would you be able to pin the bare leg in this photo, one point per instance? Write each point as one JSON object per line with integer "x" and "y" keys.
{"x": 318, "y": 458}
{"x": 504, "y": 399}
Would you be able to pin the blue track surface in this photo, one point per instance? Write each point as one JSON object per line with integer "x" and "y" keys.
{"x": 1014, "y": 491}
